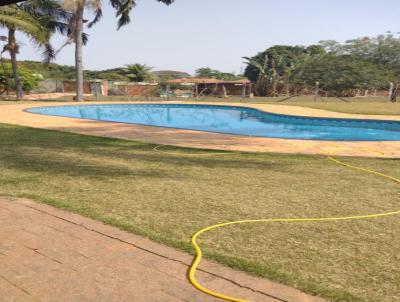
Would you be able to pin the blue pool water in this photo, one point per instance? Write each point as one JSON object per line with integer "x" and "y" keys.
{"x": 232, "y": 120}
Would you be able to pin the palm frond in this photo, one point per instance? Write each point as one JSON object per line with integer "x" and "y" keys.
{"x": 85, "y": 38}
{"x": 254, "y": 63}
{"x": 167, "y": 2}
{"x": 123, "y": 10}
{"x": 12, "y": 17}
{"x": 66, "y": 43}
{"x": 97, "y": 17}
{"x": 46, "y": 7}
{"x": 124, "y": 7}
{"x": 49, "y": 53}
{"x": 38, "y": 19}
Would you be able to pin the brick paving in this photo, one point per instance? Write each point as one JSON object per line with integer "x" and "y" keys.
{"x": 47, "y": 254}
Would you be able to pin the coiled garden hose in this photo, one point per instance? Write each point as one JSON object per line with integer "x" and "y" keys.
{"x": 199, "y": 254}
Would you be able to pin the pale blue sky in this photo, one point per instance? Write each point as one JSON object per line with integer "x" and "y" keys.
{"x": 197, "y": 33}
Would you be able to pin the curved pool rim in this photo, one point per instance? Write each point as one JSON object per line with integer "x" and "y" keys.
{"x": 300, "y": 117}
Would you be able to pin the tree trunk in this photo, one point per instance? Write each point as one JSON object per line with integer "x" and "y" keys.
{"x": 262, "y": 85}
{"x": 316, "y": 96}
{"x": 78, "y": 51}
{"x": 262, "y": 81}
{"x": 287, "y": 84}
{"x": 274, "y": 85}
{"x": 273, "y": 81}
{"x": 393, "y": 97}
{"x": 224, "y": 92}
{"x": 391, "y": 87}
{"x": 196, "y": 90}
{"x": 13, "y": 50}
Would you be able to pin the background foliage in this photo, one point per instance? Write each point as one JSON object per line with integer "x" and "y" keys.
{"x": 341, "y": 68}
{"x": 29, "y": 79}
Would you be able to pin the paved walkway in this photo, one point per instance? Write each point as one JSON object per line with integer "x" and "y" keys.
{"x": 50, "y": 255}
{"x": 14, "y": 114}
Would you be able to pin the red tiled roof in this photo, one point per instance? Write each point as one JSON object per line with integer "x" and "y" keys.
{"x": 242, "y": 81}
{"x": 206, "y": 81}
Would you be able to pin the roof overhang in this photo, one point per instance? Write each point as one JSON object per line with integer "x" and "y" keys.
{"x": 209, "y": 81}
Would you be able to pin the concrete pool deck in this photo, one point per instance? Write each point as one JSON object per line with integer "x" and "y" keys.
{"x": 15, "y": 114}
{"x": 47, "y": 254}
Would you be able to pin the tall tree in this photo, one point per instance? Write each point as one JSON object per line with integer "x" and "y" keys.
{"x": 383, "y": 50}
{"x": 257, "y": 71}
{"x": 77, "y": 7}
{"x": 273, "y": 67}
{"x": 38, "y": 19}
{"x": 343, "y": 75}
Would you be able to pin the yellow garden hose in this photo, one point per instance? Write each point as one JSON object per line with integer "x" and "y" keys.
{"x": 199, "y": 253}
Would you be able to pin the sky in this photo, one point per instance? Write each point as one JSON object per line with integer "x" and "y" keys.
{"x": 217, "y": 33}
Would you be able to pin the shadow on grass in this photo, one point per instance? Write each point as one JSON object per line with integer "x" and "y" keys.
{"x": 64, "y": 165}
{"x": 35, "y": 150}
{"x": 17, "y": 140}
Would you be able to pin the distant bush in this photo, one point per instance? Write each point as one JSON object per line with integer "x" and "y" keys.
{"x": 29, "y": 79}
{"x": 343, "y": 74}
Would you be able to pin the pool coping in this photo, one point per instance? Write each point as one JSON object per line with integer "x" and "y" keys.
{"x": 16, "y": 114}
{"x": 295, "y": 117}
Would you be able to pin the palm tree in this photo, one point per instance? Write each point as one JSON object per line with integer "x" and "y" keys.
{"x": 138, "y": 72}
{"x": 264, "y": 75}
{"x": 38, "y": 19}
{"x": 77, "y": 7}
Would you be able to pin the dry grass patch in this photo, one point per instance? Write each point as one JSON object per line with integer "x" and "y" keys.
{"x": 167, "y": 197}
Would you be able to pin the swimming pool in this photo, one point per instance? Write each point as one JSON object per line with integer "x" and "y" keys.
{"x": 232, "y": 120}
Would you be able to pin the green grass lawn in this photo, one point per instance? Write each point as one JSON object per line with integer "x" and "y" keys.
{"x": 379, "y": 105}
{"x": 167, "y": 197}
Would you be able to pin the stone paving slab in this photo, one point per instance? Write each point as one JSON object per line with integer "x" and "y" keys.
{"x": 15, "y": 114}
{"x": 47, "y": 254}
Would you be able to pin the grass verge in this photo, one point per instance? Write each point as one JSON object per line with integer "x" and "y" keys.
{"x": 167, "y": 197}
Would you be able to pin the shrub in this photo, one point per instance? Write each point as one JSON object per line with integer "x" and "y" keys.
{"x": 29, "y": 79}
